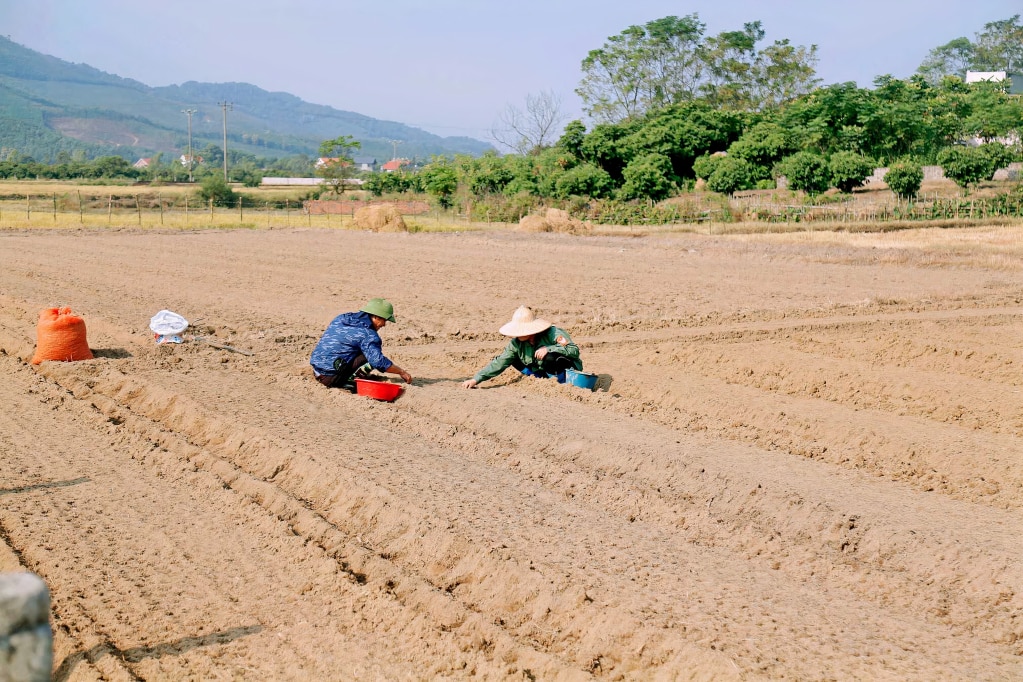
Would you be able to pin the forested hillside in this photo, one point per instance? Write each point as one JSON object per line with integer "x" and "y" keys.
{"x": 49, "y": 106}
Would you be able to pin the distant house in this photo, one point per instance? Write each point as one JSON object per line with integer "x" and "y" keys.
{"x": 1015, "y": 79}
{"x": 142, "y": 163}
{"x": 394, "y": 164}
{"x": 196, "y": 160}
{"x": 365, "y": 163}
{"x": 328, "y": 161}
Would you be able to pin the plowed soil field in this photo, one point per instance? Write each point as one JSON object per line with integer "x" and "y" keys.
{"x": 804, "y": 459}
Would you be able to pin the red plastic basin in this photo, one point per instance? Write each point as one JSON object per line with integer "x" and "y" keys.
{"x": 378, "y": 390}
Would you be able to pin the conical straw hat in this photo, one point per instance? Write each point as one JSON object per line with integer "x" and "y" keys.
{"x": 524, "y": 323}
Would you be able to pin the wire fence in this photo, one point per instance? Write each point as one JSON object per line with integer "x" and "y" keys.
{"x": 178, "y": 211}
{"x": 181, "y": 211}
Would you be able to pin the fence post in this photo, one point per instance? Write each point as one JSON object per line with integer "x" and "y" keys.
{"x": 110, "y": 208}
{"x": 54, "y": 208}
{"x": 159, "y": 199}
{"x": 241, "y": 214}
{"x": 138, "y": 209}
{"x": 81, "y": 214}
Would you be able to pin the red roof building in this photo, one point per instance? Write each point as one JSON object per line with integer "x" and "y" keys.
{"x": 394, "y": 164}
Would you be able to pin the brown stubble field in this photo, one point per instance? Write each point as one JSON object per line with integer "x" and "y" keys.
{"x": 808, "y": 463}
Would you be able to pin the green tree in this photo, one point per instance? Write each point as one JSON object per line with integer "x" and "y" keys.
{"x": 806, "y": 171}
{"x": 488, "y": 174}
{"x": 998, "y": 154}
{"x": 742, "y": 77}
{"x": 605, "y": 146}
{"x": 585, "y": 180}
{"x": 648, "y": 177}
{"x": 904, "y": 178}
{"x": 731, "y": 174}
{"x": 763, "y": 145}
{"x": 849, "y": 170}
{"x": 642, "y": 68}
{"x": 214, "y": 188}
{"x": 112, "y": 167}
{"x": 993, "y": 113}
{"x": 783, "y": 73}
{"x": 830, "y": 119}
{"x": 612, "y": 85}
{"x": 730, "y": 58}
{"x": 682, "y": 132}
{"x": 440, "y": 179}
{"x": 572, "y": 138}
{"x": 339, "y": 166}
{"x": 966, "y": 165}
{"x": 953, "y": 58}
{"x": 999, "y": 47}
{"x": 703, "y": 166}
{"x": 212, "y": 156}
{"x": 402, "y": 181}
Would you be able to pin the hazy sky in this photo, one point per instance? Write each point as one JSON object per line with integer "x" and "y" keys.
{"x": 452, "y": 66}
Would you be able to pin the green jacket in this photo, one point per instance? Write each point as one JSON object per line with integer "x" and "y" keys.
{"x": 555, "y": 340}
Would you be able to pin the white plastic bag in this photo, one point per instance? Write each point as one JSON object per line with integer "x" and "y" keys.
{"x": 166, "y": 323}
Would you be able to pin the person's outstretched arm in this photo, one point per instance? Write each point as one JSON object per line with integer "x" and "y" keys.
{"x": 394, "y": 369}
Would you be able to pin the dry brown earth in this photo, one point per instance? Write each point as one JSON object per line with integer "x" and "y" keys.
{"x": 808, "y": 464}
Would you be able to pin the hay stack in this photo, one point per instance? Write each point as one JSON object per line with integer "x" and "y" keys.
{"x": 553, "y": 220}
{"x": 380, "y": 218}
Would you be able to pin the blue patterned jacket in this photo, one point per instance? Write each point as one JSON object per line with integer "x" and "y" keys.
{"x": 348, "y": 336}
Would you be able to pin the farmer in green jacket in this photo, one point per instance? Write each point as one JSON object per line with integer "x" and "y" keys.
{"x": 537, "y": 348}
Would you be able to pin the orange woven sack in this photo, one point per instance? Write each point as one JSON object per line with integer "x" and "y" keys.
{"x": 60, "y": 335}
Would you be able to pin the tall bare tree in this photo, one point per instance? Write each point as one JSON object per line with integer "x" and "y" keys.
{"x": 531, "y": 130}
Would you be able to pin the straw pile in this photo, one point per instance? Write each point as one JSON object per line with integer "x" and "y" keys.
{"x": 380, "y": 218}
{"x": 553, "y": 220}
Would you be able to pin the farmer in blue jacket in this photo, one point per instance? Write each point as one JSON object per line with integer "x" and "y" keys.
{"x": 350, "y": 347}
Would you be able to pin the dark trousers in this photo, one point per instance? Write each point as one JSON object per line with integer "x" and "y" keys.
{"x": 551, "y": 365}
{"x": 343, "y": 372}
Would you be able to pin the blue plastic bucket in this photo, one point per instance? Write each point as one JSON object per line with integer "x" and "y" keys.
{"x": 581, "y": 379}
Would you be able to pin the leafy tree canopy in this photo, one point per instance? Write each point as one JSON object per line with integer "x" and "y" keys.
{"x": 806, "y": 171}
{"x": 904, "y": 178}
{"x": 338, "y": 167}
{"x": 999, "y": 47}
{"x": 670, "y": 61}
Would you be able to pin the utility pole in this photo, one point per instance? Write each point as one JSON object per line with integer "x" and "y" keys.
{"x": 394, "y": 146}
{"x": 225, "y": 106}
{"x": 189, "y": 112}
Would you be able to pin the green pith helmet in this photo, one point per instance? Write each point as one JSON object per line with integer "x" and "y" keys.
{"x": 380, "y": 307}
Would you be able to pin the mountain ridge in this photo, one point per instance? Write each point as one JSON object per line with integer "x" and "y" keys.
{"x": 49, "y": 105}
